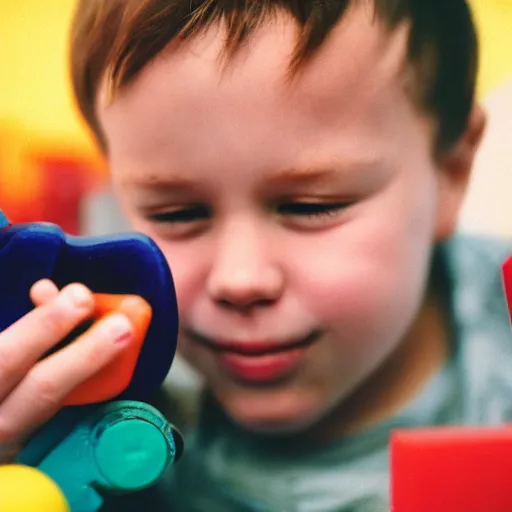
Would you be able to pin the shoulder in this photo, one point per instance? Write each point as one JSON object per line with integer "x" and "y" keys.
{"x": 466, "y": 253}
{"x": 467, "y": 247}
{"x": 481, "y": 325}
{"x": 474, "y": 266}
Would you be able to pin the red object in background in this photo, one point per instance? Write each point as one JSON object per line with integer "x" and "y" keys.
{"x": 64, "y": 182}
{"x": 18, "y": 211}
{"x": 451, "y": 470}
{"x": 507, "y": 283}
{"x": 454, "y": 469}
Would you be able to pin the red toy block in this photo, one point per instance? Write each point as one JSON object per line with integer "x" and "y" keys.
{"x": 507, "y": 282}
{"x": 451, "y": 469}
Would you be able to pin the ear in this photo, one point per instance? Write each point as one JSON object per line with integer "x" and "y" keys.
{"x": 455, "y": 168}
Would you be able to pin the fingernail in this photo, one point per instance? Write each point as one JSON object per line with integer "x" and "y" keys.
{"x": 80, "y": 296}
{"x": 120, "y": 328}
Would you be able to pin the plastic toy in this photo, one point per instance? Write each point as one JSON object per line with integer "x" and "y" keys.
{"x": 96, "y": 445}
{"x": 44, "y": 495}
{"x": 453, "y": 469}
{"x": 126, "y": 264}
{"x": 93, "y": 452}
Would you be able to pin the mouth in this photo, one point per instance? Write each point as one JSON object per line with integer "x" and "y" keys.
{"x": 252, "y": 348}
{"x": 257, "y": 362}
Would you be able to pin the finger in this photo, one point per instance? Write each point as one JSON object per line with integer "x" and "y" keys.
{"x": 38, "y": 397}
{"x": 26, "y": 341}
{"x": 8, "y": 452}
{"x": 43, "y": 291}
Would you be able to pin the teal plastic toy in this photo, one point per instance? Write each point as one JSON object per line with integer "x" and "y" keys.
{"x": 120, "y": 447}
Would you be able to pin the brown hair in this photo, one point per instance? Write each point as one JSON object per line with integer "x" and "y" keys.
{"x": 118, "y": 38}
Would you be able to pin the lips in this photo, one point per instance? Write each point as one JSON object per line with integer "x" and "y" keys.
{"x": 252, "y": 348}
{"x": 257, "y": 361}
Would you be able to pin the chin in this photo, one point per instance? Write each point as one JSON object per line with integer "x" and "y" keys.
{"x": 275, "y": 423}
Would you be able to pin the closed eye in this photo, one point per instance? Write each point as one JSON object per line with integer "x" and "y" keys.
{"x": 311, "y": 209}
{"x": 182, "y": 215}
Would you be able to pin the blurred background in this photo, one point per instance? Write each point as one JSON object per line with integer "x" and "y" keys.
{"x": 50, "y": 169}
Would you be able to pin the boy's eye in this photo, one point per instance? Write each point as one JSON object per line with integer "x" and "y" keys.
{"x": 306, "y": 212}
{"x": 192, "y": 213}
{"x": 310, "y": 209}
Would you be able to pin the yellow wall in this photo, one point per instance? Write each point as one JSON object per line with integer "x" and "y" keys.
{"x": 34, "y": 93}
{"x": 494, "y": 19}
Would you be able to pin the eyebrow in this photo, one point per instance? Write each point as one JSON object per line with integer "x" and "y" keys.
{"x": 304, "y": 174}
{"x": 324, "y": 173}
{"x": 300, "y": 175}
{"x": 162, "y": 182}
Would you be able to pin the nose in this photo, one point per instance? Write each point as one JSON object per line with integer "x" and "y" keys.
{"x": 243, "y": 274}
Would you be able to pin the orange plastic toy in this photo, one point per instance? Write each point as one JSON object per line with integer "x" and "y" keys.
{"x": 114, "y": 378}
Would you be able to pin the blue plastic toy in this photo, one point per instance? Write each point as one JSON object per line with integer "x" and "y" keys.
{"x": 114, "y": 446}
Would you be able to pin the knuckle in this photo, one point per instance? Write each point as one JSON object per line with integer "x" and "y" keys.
{"x": 61, "y": 315}
{"x": 93, "y": 360}
{"x": 7, "y": 363}
{"x": 92, "y": 352}
{"x": 54, "y": 321}
{"x": 43, "y": 388}
{"x": 78, "y": 296}
{"x": 7, "y": 432}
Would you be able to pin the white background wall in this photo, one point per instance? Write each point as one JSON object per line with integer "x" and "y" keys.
{"x": 488, "y": 207}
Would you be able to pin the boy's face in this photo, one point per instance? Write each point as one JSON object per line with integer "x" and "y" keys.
{"x": 297, "y": 217}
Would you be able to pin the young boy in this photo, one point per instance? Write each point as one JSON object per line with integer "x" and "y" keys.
{"x": 302, "y": 165}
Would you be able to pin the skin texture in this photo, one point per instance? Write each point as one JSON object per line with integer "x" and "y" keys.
{"x": 216, "y": 163}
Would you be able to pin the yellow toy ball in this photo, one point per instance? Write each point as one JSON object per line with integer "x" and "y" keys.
{"x": 25, "y": 489}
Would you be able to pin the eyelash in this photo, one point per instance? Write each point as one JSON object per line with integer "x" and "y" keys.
{"x": 184, "y": 215}
{"x": 294, "y": 209}
{"x": 311, "y": 209}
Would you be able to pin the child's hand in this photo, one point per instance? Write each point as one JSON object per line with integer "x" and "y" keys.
{"x": 32, "y": 389}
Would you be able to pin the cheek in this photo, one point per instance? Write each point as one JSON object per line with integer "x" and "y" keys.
{"x": 187, "y": 264}
{"x": 371, "y": 274}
